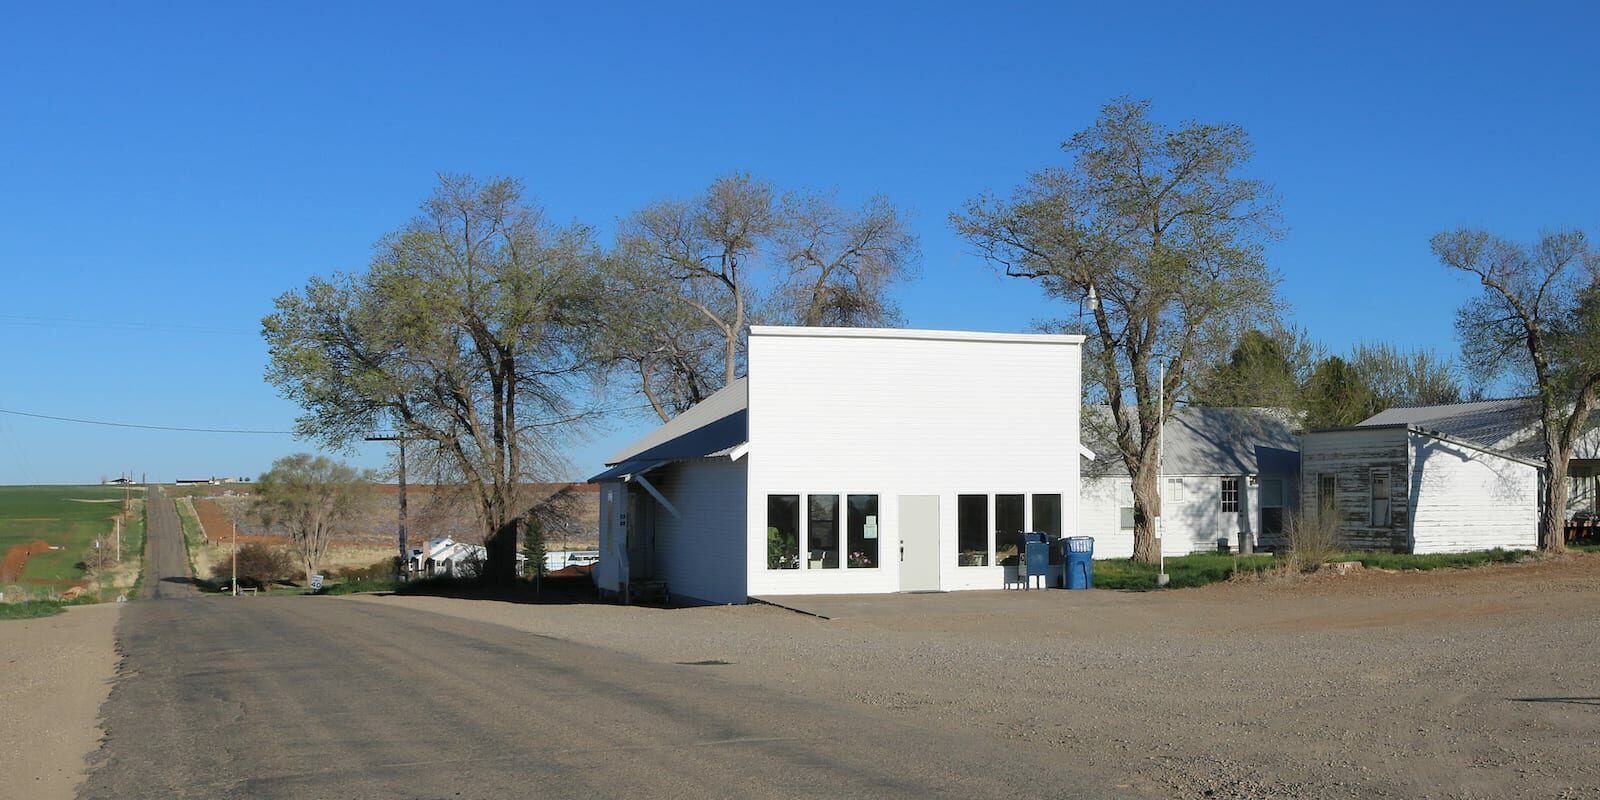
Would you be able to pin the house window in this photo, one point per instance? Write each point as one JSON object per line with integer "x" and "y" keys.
{"x": 861, "y": 526}
{"x": 972, "y": 530}
{"x": 822, "y": 531}
{"x": 1327, "y": 493}
{"x": 1047, "y": 514}
{"x": 1230, "y": 495}
{"x": 1175, "y": 491}
{"x": 783, "y": 531}
{"x": 1125, "y": 506}
{"x": 1272, "y": 497}
{"x": 1380, "y": 498}
{"x": 1008, "y": 523}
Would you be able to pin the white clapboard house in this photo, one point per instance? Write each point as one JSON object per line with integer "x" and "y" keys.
{"x": 850, "y": 461}
{"x": 1227, "y": 473}
{"x": 1442, "y": 478}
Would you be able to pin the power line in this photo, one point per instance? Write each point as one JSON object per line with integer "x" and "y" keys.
{"x": 144, "y": 427}
{"x": 181, "y": 429}
{"x": 117, "y": 324}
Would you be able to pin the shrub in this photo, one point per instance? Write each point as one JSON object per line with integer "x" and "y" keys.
{"x": 384, "y": 570}
{"x": 259, "y": 565}
{"x": 1313, "y": 538}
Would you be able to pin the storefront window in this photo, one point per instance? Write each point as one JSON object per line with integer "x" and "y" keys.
{"x": 783, "y": 531}
{"x": 861, "y": 525}
{"x": 1047, "y": 514}
{"x": 822, "y": 531}
{"x": 972, "y": 530}
{"x": 1008, "y": 522}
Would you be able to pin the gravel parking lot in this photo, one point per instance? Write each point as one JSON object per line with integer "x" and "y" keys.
{"x": 1460, "y": 684}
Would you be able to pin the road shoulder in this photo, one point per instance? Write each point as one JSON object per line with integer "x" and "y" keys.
{"x": 55, "y": 672}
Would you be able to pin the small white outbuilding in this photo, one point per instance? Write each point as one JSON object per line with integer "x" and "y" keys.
{"x": 1408, "y": 489}
{"x": 851, "y": 460}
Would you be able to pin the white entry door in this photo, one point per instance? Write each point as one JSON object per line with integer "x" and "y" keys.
{"x": 919, "y": 543}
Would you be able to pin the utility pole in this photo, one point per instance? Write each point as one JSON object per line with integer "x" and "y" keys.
{"x": 403, "y": 565}
{"x": 1161, "y": 453}
{"x": 235, "y": 582}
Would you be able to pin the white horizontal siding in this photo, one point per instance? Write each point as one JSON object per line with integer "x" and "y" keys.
{"x": 701, "y": 554}
{"x": 1100, "y": 516}
{"x": 907, "y": 415}
{"x": 1464, "y": 499}
{"x": 1192, "y": 526}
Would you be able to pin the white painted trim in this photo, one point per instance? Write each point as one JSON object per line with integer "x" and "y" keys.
{"x": 649, "y": 487}
{"x": 1084, "y": 451}
{"x": 904, "y": 333}
{"x": 738, "y": 452}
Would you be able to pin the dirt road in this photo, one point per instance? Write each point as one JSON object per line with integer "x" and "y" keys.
{"x": 166, "y": 559}
{"x": 1467, "y": 684}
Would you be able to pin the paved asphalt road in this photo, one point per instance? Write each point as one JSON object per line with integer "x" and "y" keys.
{"x": 322, "y": 697}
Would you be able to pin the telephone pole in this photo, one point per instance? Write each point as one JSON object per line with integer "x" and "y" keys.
{"x": 402, "y": 566}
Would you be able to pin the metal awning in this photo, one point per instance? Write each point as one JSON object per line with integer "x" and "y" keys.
{"x": 628, "y": 468}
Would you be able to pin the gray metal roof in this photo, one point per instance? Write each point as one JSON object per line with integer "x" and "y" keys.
{"x": 677, "y": 437}
{"x": 1487, "y": 423}
{"x": 713, "y": 426}
{"x": 1211, "y": 441}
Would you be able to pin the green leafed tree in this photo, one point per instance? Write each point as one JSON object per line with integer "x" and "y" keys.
{"x": 1406, "y": 377}
{"x": 470, "y": 329}
{"x": 1158, "y": 237}
{"x": 1536, "y": 322}
{"x": 1267, "y": 369}
{"x": 310, "y": 498}
{"x": 1337, "y": 395}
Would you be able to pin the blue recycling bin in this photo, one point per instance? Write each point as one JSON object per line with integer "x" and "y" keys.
{"x": 1080, "y": 562}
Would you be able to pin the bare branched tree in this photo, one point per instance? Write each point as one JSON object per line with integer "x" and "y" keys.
{"x": 1538, "y": 320}
{"x": 1154, "y": 232}
{"x": 689, "y": 276}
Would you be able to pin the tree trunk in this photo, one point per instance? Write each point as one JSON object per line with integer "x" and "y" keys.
{"x": 501, "y": 565}
{"x": 1146, "y": 548}
{"x": 1553, "y": 517}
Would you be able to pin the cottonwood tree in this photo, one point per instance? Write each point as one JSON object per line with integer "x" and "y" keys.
{"x": 1155, "y": 233}
{"x": 469, "y": 330}
{"x": 839, "y": 263}
{"x": 689, "y": 276}
{"x": 1538, "y": 319}
{"x": 310, "y": 498}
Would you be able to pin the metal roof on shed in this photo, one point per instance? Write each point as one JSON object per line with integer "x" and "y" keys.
{"x": 1487, "y": 423}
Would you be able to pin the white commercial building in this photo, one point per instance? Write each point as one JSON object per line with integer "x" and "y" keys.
{"x": 851, "y": 460}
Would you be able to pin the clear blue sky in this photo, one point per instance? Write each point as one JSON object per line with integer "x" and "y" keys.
{"x": 166, "y": 169}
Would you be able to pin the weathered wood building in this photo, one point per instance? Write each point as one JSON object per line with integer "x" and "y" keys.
{"x": 1404, "y": 488}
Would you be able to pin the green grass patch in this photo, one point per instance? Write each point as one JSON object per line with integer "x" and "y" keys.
{"x": 354, "y": 586}
{"x": 60, "y": 516}
{"x": 1200, "y": 569}
{"x": 1399, "y": 561}
{"x": 30, "y": 609}
{"x": 1183, "y": 572}
{"x": 194, "y": 535}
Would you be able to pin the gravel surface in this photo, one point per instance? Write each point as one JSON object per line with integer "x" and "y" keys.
{"x": 54, "y": 674}
{"x": 1457, "y": 684}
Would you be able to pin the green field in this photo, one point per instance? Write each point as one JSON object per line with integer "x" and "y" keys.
{"x": 58, "y": 515}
